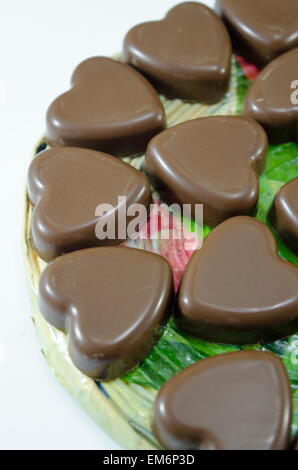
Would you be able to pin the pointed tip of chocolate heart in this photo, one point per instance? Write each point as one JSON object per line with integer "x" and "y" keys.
{"x": 113, "y": 304}
{"x": 236, "y": 289}
{"x": 234, "y": 401}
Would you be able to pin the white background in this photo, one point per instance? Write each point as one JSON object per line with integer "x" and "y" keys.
{"x": 41, "y": 42}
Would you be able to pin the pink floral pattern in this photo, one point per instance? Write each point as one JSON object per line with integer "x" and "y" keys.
{"x": 164, "y": 233}
{"x": 249, "y": 70}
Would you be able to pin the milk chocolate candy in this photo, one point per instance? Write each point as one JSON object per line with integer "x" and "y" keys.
{"x": 284, "y": 214}
{"x": 272, "y": 99}
{"x": 236, "y": 289}
{"x": 110, "y": 107}
{"x": 186, "y": 55}
{"x": 111, "y": 301}
{"x": 66, "y": 185}
{"x": 214, "y": 161}
{"x": 261, "y": 30}
{"x": 234, "y": 401}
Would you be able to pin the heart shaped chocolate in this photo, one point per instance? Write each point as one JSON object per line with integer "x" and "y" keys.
{"x": 110, "y": 107}
{"x": 261, "y": 30}
{"x": 66, "y": 185}
{"x": 236, "y": 289}
{"x": 214, "y": 161}
{"x": 284, "y": 214}
{"x": 234, "y": 401}
{"x": 187, "y": 55}
{"x": 272, "y": 99}
{"x": 111, "y": 301}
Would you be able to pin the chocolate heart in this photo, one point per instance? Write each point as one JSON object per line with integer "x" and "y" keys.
{"x": 111, "y": 301}
{"x": 110, "y": 107}
{"x": 261, "y": 30}
{"x": 284, "y": 214}
{"x": 234, "y": 401}
{"x": 271, "y": 100}
{"x": 236, "y": 289}
{"x": 187, "y": 55}
{"x": 66, "y": 185}
{"x": 212, "y": 161}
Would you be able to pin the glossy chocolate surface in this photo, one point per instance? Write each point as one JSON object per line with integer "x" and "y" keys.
{"x": 284, "y": 214}
{"x": 261, "y": 29}
{"x": 236, "y": 289}
{"x": 110, "y": 107}
{"x": 111, "y": 301}
{"x": 186, "y": 55}
{"x": 213, "y": 161}
{"x": 234, "y": 401}
{"x": 66, "y": 184}
{"x": 271, "y": 101}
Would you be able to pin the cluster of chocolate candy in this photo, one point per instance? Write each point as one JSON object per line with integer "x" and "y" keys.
{"x": 113, "y": 301}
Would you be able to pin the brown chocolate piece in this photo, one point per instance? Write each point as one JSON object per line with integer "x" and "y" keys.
{"x": 110, "y": 107}
{"x": 66, "y": 184}
{"x": 186, "y": 55}
{"x": 111, "y": 301}
{"x": 236, "y": 289}
{"x": 271, "y": 100}
{"x": 284, "y": 214}
{"x": 234, "y": 401}
{"x": 213, "y": 161}
{"x": 261, "y": 29}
